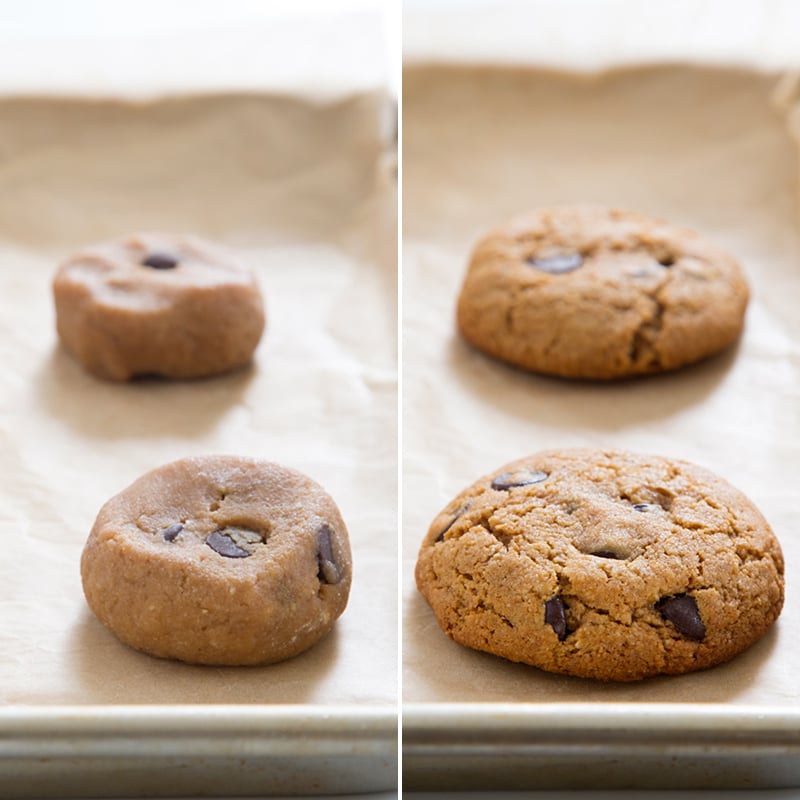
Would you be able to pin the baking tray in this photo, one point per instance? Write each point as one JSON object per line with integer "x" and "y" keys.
{"x": 621, "y": 746}
{"x": 713, "y": 148}
{"x": 302, "y": 191}
{"x": 187, "y": 751}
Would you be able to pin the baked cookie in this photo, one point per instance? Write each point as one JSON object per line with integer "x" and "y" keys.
{"x": 173, "y": 306}
{"x": 603, "y": 564}
{"x": 219, "y": 560}
{"x": 588, "y": 292}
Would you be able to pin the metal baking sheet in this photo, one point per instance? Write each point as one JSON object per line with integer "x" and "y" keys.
{"x": 620, "y": 746}
{"x": 302, "y": 191}
{"x": 711, "y": 148}
{"x": 186, "y": 751}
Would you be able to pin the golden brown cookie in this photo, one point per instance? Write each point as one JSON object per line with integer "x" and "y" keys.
{"x": 173, "y": 306}
{"x": 219, "y": 560}
{"x": 590, "y": 292}
{"x": 603, "y": 564}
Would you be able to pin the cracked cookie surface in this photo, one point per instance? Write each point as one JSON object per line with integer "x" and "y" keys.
{"x": 219, "y": 560}
{"x": 153, "y": 304}
{"x": 603, "y": 564}
{"x": 590, "y": 292}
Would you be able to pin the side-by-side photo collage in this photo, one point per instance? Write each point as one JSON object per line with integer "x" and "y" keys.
{"x": 400, "y": 398}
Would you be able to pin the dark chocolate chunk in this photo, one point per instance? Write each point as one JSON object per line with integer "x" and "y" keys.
{"x": 453, "y": 520}
{"x": 222, "y": 543}
{"x": 440, "y": 537}
{"x": 328, "y": 571}
{"x": 522, "y": 477}
{"x": 160, "y": 261}
{"x": 645, "y": 506}
{"x": 555, "y": 617}
{"x": 605, "y": 554}
{"x": 666, "y": 260}
{"x": 681, "y": 610}
{"x": 171, "y": 533}
{"x": 558, "y": 264}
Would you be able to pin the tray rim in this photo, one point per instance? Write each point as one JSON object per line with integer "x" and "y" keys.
{"x": 692, "y": 719}
{"x": 337, "y": 730}
{"x": 83, "y": 751}
{"x": 180, "y": 714}
{"x": 509, "y": 746}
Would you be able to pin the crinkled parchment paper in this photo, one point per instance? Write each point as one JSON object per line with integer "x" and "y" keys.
{"x": 302, "y": 193}
{"x": 708, "y": 148}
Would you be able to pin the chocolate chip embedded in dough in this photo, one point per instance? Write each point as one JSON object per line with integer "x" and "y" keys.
{"x": 522, "y": 477}
{"x": 236, "y": 586}
{"x": 606, "y": 554}
{"x": 681, "y": 610}
{"x": 558, "y": 264}
{"x": 440, "y": 537}
{"x": 160, "y": 261}
{"x": 555, "y": 616}
{"x": 171, "y": 533}
{"x": 328, "y": 571}
{"x": 453, "y": 520}
{"x": 223, "y": 543}
{"x": 644, "y": 507}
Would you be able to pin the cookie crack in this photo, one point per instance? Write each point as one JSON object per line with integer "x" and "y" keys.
{"x": 485, "y": 523}
{"x": 644, "y": 337}
{"x": 483, "y": 606}
{"x": 216, "y": 504}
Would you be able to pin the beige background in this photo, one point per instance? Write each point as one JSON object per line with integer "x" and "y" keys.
{"x": 702, "y": 147}
{"x": 302, "y": 192}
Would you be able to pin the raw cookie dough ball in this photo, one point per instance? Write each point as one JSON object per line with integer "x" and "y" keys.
{"x": 603, "y": 564}
{"x": 590, "y": 292}
{"x": 219, "y": 560}
{"x": 173, "y": 306}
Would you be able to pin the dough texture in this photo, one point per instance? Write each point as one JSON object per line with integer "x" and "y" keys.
{"x": 590, "y": 292}
{"x": 219, "y": 560}
{"x": 172, "y": 306}
{"x": 603, "y": 564}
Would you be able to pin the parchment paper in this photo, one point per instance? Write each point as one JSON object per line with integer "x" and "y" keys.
{"x": 701, "y": 146}
{"x": 302, "y": 193}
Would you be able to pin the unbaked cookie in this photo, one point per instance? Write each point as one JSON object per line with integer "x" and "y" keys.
{"x": 589, "y": 292}
{"x": 603, "y": 564}
{"x": 173, "y": 306}
{"x": 219, "y": 560}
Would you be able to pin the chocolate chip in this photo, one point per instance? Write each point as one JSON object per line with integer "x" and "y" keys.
{"x": 555, "y": 617}
{"x": 522, "y": 477}
{"x": 558, "y": 264}
{"x": 171, "y": 533}
{"x": 666, "y": 261}
{"x": 160, "y": 261}
{"x": 605, "y": 554}
{"x": 328, "y": 571}
{"x": 681, "y": 610}
{"x": 223, "y": 543}
{"x": 440, "y": 537}
{"x": 645, "y": 507}
{"x": 453, "y": 520}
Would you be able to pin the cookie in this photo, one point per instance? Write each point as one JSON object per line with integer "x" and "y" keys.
{"x": 172, "y": 306}
{"x": 589, "y": 292}
{"x": 219, "y": 560}
{"x": 603, "y": 564}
